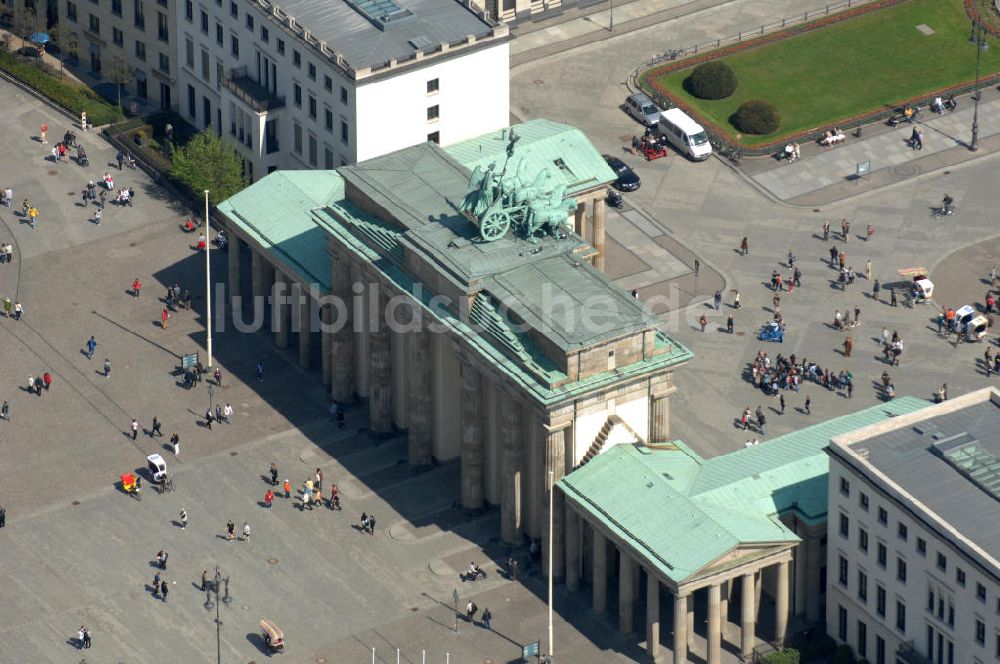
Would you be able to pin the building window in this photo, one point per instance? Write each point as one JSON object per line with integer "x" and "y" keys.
{"x": 432, "y": 86}
{"x": 141, "y": 90}
{"x": 842, "y": 623}
{"x": 140, "y": 51}
{"x": 328, "y": 84}
{"x": 296, "y": 58}
{"x": 902, "y": 531}
{"x": 118, "y": 37}
{"x": 922, "y": 546}
{"x": 862, "y": 639}
{"x": 234, "y": 9}
{"x": 883, "y": 516}
{"x": 343, "y": 95}
{"x": 234, "y": 46}
{"x": 219, "y": 38}
{"x": 862, "y": 539}
{"x": 327, "y": 157}
{"x": 204, "y": 22}
{"x": 845, "y": 526}
{"x": 900, "y": 570}
{"x": 297, "y": 138}
{"x": 281, "y": 47}
{"x": 265, "y": 34}
{"x": 311, "y": 68}
{"x": 189, "y": 52}
{"x": 192, "y": 103}
{"x": 930, "y": 600}
{"x": 312, "y": 107}
{"x": 960, "y": 576}
{"x": 434, "y": 137}
{"x": 881, "y": 554}
{"x": 116, "y": 8}
{"x": 343, "y": 132}
{"x": 863, "y": 500}
{"x": 879, "y": 650}
{"x": 845, "y": 486}
{"x": 433, "y": 113}
{"x": 189, "y": 10}
{"x": 250, "y": 25}
{"x": 842, "y": 576}
{"x": 862, "y": 586}
{"x": 900, "y": 616}
{"x": 880, "y": 600}
{"x": 313, "y": 151}
{"x": 162, "y": 27}
{"x": 95, "y": 25}
{"x": 297, "y": 95}
{"x": 329, "y": 120}
{"x": 980, "y": 632}
{"x": 164, "y": 63}
{"x": 140, "y": 15}
{"x": 206, "y": 66}
{"x": 71, "y": 11}
{"x": 942, "y": 562}
{"x": 981, "y": 592}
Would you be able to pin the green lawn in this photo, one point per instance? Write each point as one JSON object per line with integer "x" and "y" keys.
{"x": 849, "y": 68}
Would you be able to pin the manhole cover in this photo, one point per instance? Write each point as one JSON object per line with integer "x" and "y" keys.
{"x": 52, "y": 172}
{"x": 904, "y": 171}
{"x": 75, "y": 503}
{"x": 72, "y": 193}
{"x": 272, "y": 561}
{"x": 538, "y": 81}
{"x": 233, "y": 453}
{"x": 741, "y": 334}
{"x": 414, "y": 609}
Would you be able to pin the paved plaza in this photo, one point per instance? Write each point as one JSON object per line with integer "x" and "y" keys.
{"x": 76, "y": 550}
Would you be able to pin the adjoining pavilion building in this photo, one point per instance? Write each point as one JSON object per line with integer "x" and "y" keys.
{"x": 738, "y": 537}
{"x": 486, "y": 336}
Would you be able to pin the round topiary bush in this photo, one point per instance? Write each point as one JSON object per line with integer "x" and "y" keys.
{"x": 712, "y": 80}
{"x": 756, "y": 116}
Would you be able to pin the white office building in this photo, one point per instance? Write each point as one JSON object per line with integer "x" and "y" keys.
{"x": 914, "y": 535}
{"x": 308, "y": 84}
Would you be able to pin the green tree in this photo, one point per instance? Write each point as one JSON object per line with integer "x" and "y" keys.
{"x": 207, "y": 162}
{"x": 58, "y": 35}
{"x": 24, "y": 21}
{"x": 121, "y": 73}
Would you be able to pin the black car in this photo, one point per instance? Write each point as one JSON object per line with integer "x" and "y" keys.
{"x": 627, "y": 179}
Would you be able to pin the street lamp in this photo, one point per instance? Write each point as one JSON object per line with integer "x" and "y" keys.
{"x": 981, "y": 45}
{"x": 552, "y": 490}
{"x": 208, "y": 283}
{"x": 217, "y": 580}
{"x": 611, "y": 18}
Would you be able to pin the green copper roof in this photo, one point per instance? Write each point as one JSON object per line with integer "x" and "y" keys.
{"x": 275, "y": 213}
{"x": 681, "y": 512}
{"x": 544, "y": 143}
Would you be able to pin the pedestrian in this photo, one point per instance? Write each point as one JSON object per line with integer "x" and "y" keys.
{"x": 155, "y": 431}
{"x": 268, "y": 497}
{"x": 260, "y": 370}
{"x": 230, "y": 530}
{"x": 187, "y": 299}
{"x": 5, "y": 411}
{"x": 208, "y": 418}
{"x": 218, "y": 412}
{"x": 175, "y": 443}
{"x": 288, "y": 489}
{"x": 163, "y": 590}
{"x": 164, "y": 317}
{"x": 120, "y": 157}
{"x": 717, "y": 298}
{"x": 993, "y": 271}
{"x": 136, "y": 287}
{"x": 470, "y": 611}
{"x": 876, "y": 287}
{"x": 371, "y": 524}
{"x": 797, "y": 277}
{"x": 18, "y": 310}
{"x": 487, "y": 616}
{"x": 8, "y": 195}
{"x": 319, "y": 478}
{"x": 869, "y": 232}
{"x": 826, "y": 231}
{"x": 703, "y": 321}
{"x": 204, "y": 580}
{"x": 987, "y": 357}
{"x": 131, "y": 196}
{"x": 892, "y": 297}
{"x": 227, "y": 413}
{"x": 868, "y": 270}
{"x": 43, "y": 129}
{"x": 161, "y": 559}
{"x": 850, "y": 388}
{"x": 848, "y": 345}
{"x": 729, "y": 324}
{"x": 857, "y": 316}
{"x": 47, "y": 380}
{"x": 102, "y": 198}
{"x": 135, "y": 428}
{"x": 274, "y": 474}
{"x": 781, "y": 400}
{"x": 744, "y": 247}
{"x": 807, "y": 404}
{"x": 218, "y": 377}
{"x": 156, "y": 585}
{"x": 91, "y": 346}
{"x": 246, "y": 531}
{"x": 86, "y": 637}
{"x": 184, "y": 518}
{"x": 761, "y": 422}
{"x": 736, "y": 300}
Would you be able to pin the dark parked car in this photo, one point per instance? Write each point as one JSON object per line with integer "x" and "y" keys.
{"x": 627, "y": 179}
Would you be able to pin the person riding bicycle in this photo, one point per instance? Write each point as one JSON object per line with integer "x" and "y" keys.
{"x": 947, "y": 204}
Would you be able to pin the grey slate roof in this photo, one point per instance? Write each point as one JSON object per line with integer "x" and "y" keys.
{"x": 348, "y": 32}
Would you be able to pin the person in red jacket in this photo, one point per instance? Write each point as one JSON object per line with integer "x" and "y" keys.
{"x": 47, "y": 379}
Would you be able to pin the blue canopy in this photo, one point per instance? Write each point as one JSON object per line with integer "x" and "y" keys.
{"x": 39, "y": 38}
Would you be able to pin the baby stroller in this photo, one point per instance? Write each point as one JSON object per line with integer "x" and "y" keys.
{"x": 81, "y": 156}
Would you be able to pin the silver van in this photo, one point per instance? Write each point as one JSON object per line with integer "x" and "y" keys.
{"x": 642, "y": 108}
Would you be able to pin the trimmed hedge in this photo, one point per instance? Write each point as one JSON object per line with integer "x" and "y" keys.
{"x": 73, "y": 96}
{"x": 756, "y": 116}
{"x": 786, "y": 656}
{"x": 712, "y": 80}
{"x": 844, "y": 655}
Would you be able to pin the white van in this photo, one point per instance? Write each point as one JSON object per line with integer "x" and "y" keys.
{"x": 685, "y": 134}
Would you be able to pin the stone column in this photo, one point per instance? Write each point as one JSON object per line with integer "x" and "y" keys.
{"x": 342, "y": 339}
{"x": 235, "y": 275}
{"x": 555, "y": 461}
{"x": 258, "y": 272}
{"x": 471, "y": 403}
{"x": 724, "y": 604}
{"x": 652, "y": 615}
{"x": 626, "y": 597}
{"x": 600, "y": 573}
{"x": 680, "y": 629}
{"x": 511, "y": 469}
{"x": 814, "y": 560}
{"x": 305, "y": 331}
{"x": 659, "y": 431}
{"x": 781, "y": 603}
{"x": 580, "y": 220}
{"x": 380, "y": 371}
{"x": 748, "y": 617}
{"x": 714, "y": 625}
{"x": 420, "y": 416}
{"x": 599, "y": 232}
{"x": 572, "y": 549}
{"x": 279, "y": 310}
{"x": 326, "y": 342}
